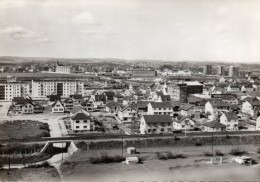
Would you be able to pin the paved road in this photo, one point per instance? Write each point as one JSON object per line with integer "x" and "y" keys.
{"x": 4, "y": 109}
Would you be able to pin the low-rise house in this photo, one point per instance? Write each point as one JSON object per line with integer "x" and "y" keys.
{"x": 187, "y": 110}
{"x": 183, "y": 123}
{"x": 161, "y": 108}
{"x": 77, "y": 98}
{"x": 229, "y": 119}
{"x": 214, "y": 126}
{"x": 81, "y": 122}
{"x": 68, "y": 103}
{"x": 164, "y": 98}
{"x": 113, "y": 107}
{"x": 58, "y": 107}
{"x": 128, "y": 114}
{"x": 110, "y": 95}
{"x": 89, "y": 105}
{"x": 54, "y": 98}
{"x": 231, "y": 99}
{"x": 233, "y": 88}
{"x": 247, "y": 108}
{"x": 144, "y": 108}
{"x": 100, "y": 99}
{"x": 38, "y": 108}
{"x": 155, "y": 124}
{"x": 21, "y": 105}
{"x": 247, "y": 88}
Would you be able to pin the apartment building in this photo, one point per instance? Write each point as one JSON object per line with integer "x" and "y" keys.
{"x": 9, "y": 90}
{"x": 50, "y": 87}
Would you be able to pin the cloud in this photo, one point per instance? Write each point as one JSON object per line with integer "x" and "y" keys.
{"x": 83, "y": 18}
{"x": 17, "y": 32}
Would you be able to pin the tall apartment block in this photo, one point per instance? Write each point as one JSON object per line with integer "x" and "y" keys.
{"x": 234, "y": 71}
{"x": 208, "y": 69}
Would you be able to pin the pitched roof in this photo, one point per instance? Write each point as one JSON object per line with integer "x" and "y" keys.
{"x": 175, "y": 103}
{"x": 19, "y": 100}
{"x": 110, "y": 94}
{"x": 166, "y": 97}
{"x": 215, "y": 124}
{"x": 112, "y": 104}
{"x": 80, "y": 116}
{"x": 76, "y": 96}
{"x": 194, "y": 99}
{"x": 186, "y": 107}
{"x": 54, "y": 97}
{"x": 142, "y": 104}
{"x": 132, "y": 106}
{"x": 161, "y": 104}
{"x": 228, "y": 97}
{"x": 180, "y": 118}
{"x": 157, "y": 118}
{"x": 231, "y": 115}
{"x": 56, "y": 103}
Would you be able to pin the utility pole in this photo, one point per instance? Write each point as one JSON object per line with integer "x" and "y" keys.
{"x": 122, "y": 147}
{"x": 9, "y": 156}
{"x": 61, "y": 152}
{"x": 212, "y": 143}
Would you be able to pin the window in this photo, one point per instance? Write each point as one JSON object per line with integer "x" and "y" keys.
{"x": 85, "y": 121}
{"x": 77, "y": 126}
{"x": 85, "y": 126}
{"x": 162, "y": 130}
{"x": 77, "y": 121}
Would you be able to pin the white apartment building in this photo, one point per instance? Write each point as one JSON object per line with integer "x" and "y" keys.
{"x": 62, "y": 88}
{"x": 14, "y": 89}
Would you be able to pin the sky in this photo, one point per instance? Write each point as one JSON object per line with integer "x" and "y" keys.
{"x": 171, "y": 30}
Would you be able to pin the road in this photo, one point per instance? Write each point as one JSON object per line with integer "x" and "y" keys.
{"x": 4, "y": 109}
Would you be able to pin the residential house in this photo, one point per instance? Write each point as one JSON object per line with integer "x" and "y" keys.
{"x": 128, "y": 114}
{"x": 77, "y": 98}
{"x": 144, "y": 108}
{"x": 162, "y": 108}
{"x": 247, "y": 108}
{"x": 21, "y": 105}
{"x": 247, "y": 88}
{"x": 233, "y": 88}
{"x": 222, "y": 80}
{"x": 89, "y": 105}
{"x": 183, "y": 123}
{"x": 110, "y": 95}
{"x": 231, "y": 99}
{"x": 113, "y": 107}
{"x": 155, "y": 124}
{"x": 214, "y": 126}
{"x": 68, "y": 103}
{"x": 229, "y": 119}
{"x": 81, "y": 122}
{"x": 58, "y": 107}
{"x": 187, "y": 110}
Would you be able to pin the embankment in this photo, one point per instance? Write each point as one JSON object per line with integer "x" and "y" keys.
{"x": 169, "y": 141}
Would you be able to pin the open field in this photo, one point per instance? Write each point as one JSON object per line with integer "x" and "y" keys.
{"x": 195, "y": 166}
{"x": 23, "y": 129}
{"x": 30, "y": 174}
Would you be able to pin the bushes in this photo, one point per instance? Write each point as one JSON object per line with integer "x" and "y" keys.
{"x": 198, "y": 144}
{"x": 218, "y": 153}
{"x": 169, "y": 155}
{"x": 237, "y": 151}
{"x": 208, "y": 154}
{"x": 106, "y": 159}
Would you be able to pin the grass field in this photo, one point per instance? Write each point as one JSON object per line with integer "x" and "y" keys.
{"x": 23, "y": 129}
{"x": 30, "y": 174}
{"x": 195, "y": 166}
